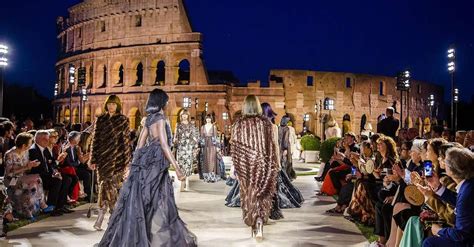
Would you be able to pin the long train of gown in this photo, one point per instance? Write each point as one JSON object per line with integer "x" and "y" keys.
{"x": 288, "y": 195}
{"x": 146, "y": 213}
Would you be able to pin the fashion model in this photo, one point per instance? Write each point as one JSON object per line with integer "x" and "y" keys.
{"x": 146, "y": 212}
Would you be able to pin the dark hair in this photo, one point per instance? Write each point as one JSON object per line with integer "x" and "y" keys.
{"x": 364, "y": 138}
{"x": 408, "y": 144}
{"x": 284, "y": 121}
{"x": 209, "y": 116}
{"x": 23, "y": 139}
{"x": 77, "y": 127}
{"x": 391, "y": 147}
{"x": 390, "y": 111}
{"x": 446, "y": 146}
{"x": 268, "y": 112}
{"x": 5, "y": 126}
{"x": 438, "y": 129}
{"x": 367, "y": 144}
{"x": 113, "y": 99}
{"x": 436, "y": 144}
{"x": 156, "y": 101}
{"x": 374, "y": 137}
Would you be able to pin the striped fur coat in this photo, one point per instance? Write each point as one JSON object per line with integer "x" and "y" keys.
{"x": 255, "y": 160}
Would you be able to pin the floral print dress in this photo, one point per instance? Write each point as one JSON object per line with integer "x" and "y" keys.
{"x": 26, "y": 195}
{"x": 186, "y": 142}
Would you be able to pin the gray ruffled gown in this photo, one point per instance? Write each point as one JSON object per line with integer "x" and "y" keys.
{"x": 146, "y": 213}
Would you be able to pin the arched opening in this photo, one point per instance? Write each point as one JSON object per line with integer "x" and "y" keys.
{"x": 120, "y": 75}
{"x": 160, "y": 73}
{"x": 346, "y": 124}
{"x": 91, "y": 77}
{"x": 117, "y": 74}
{"x": 135, "y": 118}
{"x": 87, "y": 114}
{"x": 104, "y": 77}
{"x": 98, "y": 111}
{"x": 409, "y": 122}
{"x": 426, "y": 126}
{"x": 419, "y": 125}
{"x": 63, "y": 80}
{"x": 174, "y": 117}
{"x": 67, "y": 115}
{"x": 183, "y": 72}
{"x": 75, "y": 115}
{"x": 363, "y": 121}
{"x": 139, "y": 74}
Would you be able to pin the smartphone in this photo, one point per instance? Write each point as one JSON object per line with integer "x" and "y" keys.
{"x": 354, "y": 171}
{"x": 428, "y": 165}
{"x": 387, "y": 171}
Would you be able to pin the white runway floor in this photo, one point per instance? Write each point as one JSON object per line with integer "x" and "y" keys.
{"x": 214, "y": 224}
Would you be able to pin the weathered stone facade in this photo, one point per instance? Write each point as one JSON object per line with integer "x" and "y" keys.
{"x": 130, "y": 47}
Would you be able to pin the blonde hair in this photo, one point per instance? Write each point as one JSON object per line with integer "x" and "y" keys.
{"x": 251, "y": 106}
{"x": 184, "y": 112}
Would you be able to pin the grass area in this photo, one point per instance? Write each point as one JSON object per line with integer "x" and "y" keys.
{"x": 368, "y": 232}
{"x": 309, "y": 173}
{"x": 23, "y": 222}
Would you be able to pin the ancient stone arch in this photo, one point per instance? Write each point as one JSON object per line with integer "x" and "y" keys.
{"x": 134, "y": 117}
{"x": 184, "y": 72}
{"x": 75, "y": 115}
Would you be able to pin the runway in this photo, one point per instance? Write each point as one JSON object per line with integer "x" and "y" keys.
{"x": 214, "y": 224}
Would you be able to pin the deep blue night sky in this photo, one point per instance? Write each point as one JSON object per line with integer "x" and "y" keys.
{"x": 252, "y": 37}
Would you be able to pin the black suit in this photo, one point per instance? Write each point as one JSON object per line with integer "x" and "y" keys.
{"x": 57, "y": 188}
{"x": 388, "y": 126}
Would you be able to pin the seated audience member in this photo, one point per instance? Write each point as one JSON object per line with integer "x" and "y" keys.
{"x": 460, "y": 136}
{"x": 385, "y": 196}
{"x": 413, "y": 133}
{"x": 437, "y": 131}
{"x": 25, "y": 192}
{"x": 77, "y": 160}
{"x": 405, "y": 152}
{"x": 341, "y": 165}
{"x": 56, "y": 185}
{"x": 469, "y": 140}
{"x": 361, "y": 207}
{"x": 7, "y": 131}
{"x": 460, "y": 167}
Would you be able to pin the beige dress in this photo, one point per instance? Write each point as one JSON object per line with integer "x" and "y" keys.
{"x": 210, "y": 164}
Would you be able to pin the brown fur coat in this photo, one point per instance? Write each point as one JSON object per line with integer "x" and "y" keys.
{"x": 255, "y": 160}
{"x": 111, "y": 152}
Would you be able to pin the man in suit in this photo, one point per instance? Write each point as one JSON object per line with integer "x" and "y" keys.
{"x": 460, "y": 167}
{"x": 52, "y": 181}
{"x": 389, "y": 125}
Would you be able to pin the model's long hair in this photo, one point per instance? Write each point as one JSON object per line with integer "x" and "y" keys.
{"x": 251, "y": 106}
{"x": 157, "y": 101}
{"x": 268, "y": 112}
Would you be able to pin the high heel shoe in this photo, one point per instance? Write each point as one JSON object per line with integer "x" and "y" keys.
{"x": 100, "y": 219}
{"x": 259, "y": 233}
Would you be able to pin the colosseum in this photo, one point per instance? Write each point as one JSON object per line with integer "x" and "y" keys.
{"x": 130, "y": 47}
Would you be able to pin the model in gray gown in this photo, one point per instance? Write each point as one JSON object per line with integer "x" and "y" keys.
{"x": 146, "y": 213}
